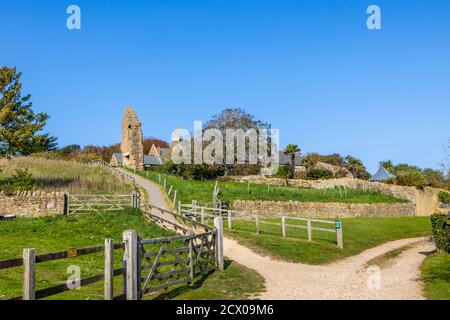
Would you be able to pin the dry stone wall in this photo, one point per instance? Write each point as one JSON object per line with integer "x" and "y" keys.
{"x": 323, "y": 209}
{"x": 425, "y": 201}
{"x": 32, "y": 203}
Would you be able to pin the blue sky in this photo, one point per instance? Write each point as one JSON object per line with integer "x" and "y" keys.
{"x": 310, "y": 68}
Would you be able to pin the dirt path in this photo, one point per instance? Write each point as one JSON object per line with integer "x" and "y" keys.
{"x": 346, "y": 279}
{"x": 156, "y": 197}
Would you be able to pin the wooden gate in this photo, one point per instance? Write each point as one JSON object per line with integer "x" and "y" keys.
{"x": 97, "y": 203}
{"x": 167, "y": 262}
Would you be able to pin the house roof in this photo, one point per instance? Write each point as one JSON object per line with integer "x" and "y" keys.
{"x": 148, "y": 160}
{"x": 118, "y": 157}
{"x": 382, "y": 174}
{"x": 286, "y": 159}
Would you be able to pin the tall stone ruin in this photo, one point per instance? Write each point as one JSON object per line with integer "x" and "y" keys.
{"x": 132, "y": 140}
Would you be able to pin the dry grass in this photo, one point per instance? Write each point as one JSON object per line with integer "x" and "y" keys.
{"x": 60, "y": 175}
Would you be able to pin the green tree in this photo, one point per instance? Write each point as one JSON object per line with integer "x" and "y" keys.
{"x": 20, "y": 127}
{"x": 389, "y": 166}
{"x": 356, "y": 167}
{"x": 292, "y": 150}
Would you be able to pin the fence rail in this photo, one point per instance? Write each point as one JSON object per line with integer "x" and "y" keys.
{"x": 97, "y": 203}
{"x": 205, "y": 214}
{"x": 113, "y": 169}
{"x": 30, "y": 259}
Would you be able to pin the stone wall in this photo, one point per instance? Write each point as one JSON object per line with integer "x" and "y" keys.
{"x": 323, "y": 209}
{"x": 426, "y": 201}
{"x": 32, "y": 203}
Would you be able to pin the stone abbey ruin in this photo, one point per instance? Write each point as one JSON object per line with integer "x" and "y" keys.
{"x": 132, "y": 145}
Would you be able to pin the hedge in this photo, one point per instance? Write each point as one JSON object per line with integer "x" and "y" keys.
{"x": 441, "y": 232}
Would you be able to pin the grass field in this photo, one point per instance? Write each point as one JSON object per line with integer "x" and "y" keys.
{"x": 52, "y": 234}
{"x": 359, "y": 234}
{"x": 436, "y": 276}
{"x": 59, "y": 175}
{"x": 202, "y": 191}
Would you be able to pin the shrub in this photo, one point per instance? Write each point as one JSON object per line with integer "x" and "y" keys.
{"x": 23, "y": 180}
{"x": 444, "y": 197}
{"x": 316, "y": 174}
{"x": 412, "y": 178}
{"x": 441, "y": 232}
{"x": 8, "y": 190}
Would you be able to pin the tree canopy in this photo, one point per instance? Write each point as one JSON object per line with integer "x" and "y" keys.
{"x": 20, "y": 127}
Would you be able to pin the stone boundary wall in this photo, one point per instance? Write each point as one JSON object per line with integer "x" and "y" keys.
{"x": 323, "y": 209}
{"x": 32, "y": 203}
{"x": 426, "y": 200}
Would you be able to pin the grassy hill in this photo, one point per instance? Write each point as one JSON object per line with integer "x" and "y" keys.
{"x": 61, "y": 175}
{"x": 188, "y": 190}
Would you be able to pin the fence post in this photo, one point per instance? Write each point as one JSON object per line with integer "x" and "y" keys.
{"x": 283, "y": 226}
{"x": 179, "y": 206}
{"x": 339, "y": 237}
{"x": 202, "y": 212}
{"x": 257, "y": 224}
{"x": 170, "y": 191}
{"x": 219, "y": 241}
{"x": 29, "y": 274}
{"x": 131, "y": 257}
{"x": 229, "y": 219}
{"x": 66, "y": 204}
{"x": 159, "y": 178}
{"x": 109, "y": 269}
{"x": 309, "y": 230}
{"x": 175, "y": 197}
{"x": 191, "y": 259}
{"x": 165, "y": 182}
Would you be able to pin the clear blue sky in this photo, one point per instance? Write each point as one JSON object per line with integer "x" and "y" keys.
{"x": 310, "y": 68}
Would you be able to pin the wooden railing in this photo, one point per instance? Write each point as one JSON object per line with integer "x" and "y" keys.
{"x": 101, "y": 202}
{"x": 113, "y": 169}
{"x": 205, "y": 214}
{"x": 30, "y": 259}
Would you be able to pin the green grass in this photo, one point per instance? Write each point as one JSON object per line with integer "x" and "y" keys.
{"x": 57, "y": 233}
{"x": 188, "y": 190}
{"x": 235, "y": 282}
{"x": 436, "y": 276}
{"x": 359, "y": 234}
{"x": 69, "y": 176}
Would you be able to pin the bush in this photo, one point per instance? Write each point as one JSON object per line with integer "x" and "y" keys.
{"x": 22, "y": 180}
{"x": 8, "y": 190}
{"x": 441, "y": 232}
{"x": 317, "y": 174}
{"x": 412, "y": 178}
{"x": 444, "y": 197}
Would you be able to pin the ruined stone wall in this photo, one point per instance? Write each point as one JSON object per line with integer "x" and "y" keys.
{"x": 323, "y": 209}
{"x": 425, "y": 200}
{"x": 32, "y": 203}
{"x": 132, "y": 145}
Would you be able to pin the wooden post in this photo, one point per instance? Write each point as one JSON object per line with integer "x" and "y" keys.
{"x": 29, "y": 274}
{"x": 229, "y": 219}
{"x": 175, "y": 197}
{"x": 170, "y": 190}
{"x": 248, "y": 186}
{"x": 159, "y": 178}
{"x": 109, "y": 269}
{"x": 131, "y": 257}
{"x": 179, "y": 206}
{"x": 202, "y": 212}
{"x": 309, "y": 230}
{"x": 283, "y": 226}
{"x": 339, "y": 237}
{"x": 191, "y": 259}
{"x": 257, "y": 224}
{"x": 219, "y": 242}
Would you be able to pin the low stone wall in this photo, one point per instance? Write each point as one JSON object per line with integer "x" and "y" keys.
{"x": 426, "y": 200}
{"x": 32, "y": 203}
{"x": 324, "y": 209}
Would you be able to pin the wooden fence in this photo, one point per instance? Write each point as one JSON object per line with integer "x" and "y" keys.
{"x": 206, "y": 213}
{"x": 30, "y": 259}
{"x": 97, "y": 203}
{"x": 105, "y": 164}
{"x": 149, "y": 265}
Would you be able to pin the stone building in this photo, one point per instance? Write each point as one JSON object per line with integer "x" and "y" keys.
{"x": 132, "y": 140}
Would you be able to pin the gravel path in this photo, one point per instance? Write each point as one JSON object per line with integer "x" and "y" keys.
{"x": 346, "y": 279}
{"x": 342, "y": 280}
